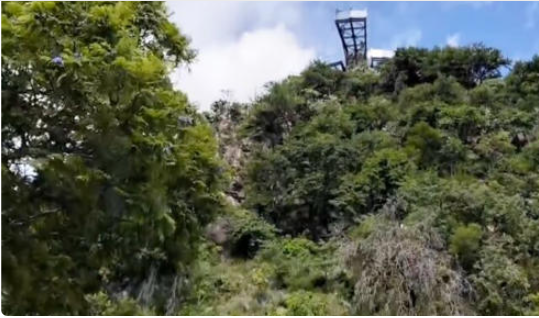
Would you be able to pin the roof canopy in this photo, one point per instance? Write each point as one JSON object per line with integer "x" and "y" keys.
{"x": 351, "y": 14}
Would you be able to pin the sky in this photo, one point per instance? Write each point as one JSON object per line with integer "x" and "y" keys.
{"x": 243, "y": 45}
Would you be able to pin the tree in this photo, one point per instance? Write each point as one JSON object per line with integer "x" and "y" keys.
{"x": 274, "y": 115}
{"x": 424, "y": 142}
{"x": 524, "y": 77}
{"x": 293, "y": 187}
{"x": 470, "y": 66}
{"x": 465, "y": 243}
{"x": 321, "y": 78}
{"x": 379, "y": 178}
{"x": 501, "y": 283}
{"x": 406, "y": 68}
{"x": 108, "y": 172}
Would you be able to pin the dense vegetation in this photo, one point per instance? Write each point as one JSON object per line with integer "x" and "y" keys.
{"x": 125, "y": 169}
{"x": 413, "y": 189}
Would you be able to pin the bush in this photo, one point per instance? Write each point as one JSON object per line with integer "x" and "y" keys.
{"x": 293, "y": 186}
{"x": 300, "y": 263}
{"x": 465, "y": 244}
{"x": 305, "y": 303}
{"x": 424, "y": 143}
{"x": 534, "y": 300}
{"x": 398, "y": 272}
{"x": 101, "y": 305}
{"x": 378, "y": 179}
{"x": 501, "y": 284}
{"x": 249, "y": 233}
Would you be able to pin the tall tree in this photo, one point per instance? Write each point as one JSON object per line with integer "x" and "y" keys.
{"x": 108, "y": 171}
{"x": 469, "y": 65}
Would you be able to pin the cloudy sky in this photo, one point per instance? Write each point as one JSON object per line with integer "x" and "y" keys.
{"x": 243, "y": 45}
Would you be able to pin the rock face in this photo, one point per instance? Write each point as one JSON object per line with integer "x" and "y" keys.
{"x": 219, "y": 231}
{"x": 233, "y": 149}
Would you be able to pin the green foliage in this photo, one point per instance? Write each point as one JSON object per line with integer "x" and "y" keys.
{"x": 115, "y": 182}
{"x": 534, "y": 299}
{"x": 470, "y": 66}
{"x": 464, "y": 121}
{"x": 365, "y": 228}
{"x": 374, "y": 115}
{"x": 523, "y": 80}
{"x": 302, "y": 264}
{"x": 274, "y": 115}
{"x": 249, "y": 233}
{"x": 101, "y": 305}
{"x": 378, "y": 179}
{"x": 465, "y": 243}
{"x": 289, "y": 277}
{"x": 424, "y": 142}
{"x": 360, "y": 84}
{"x": 293, "y": 185}
{"x": 502, "y": 284}
{"x": 230, "y": 287}
{"x": 321, "y": 79}
{"x": 304, "y": 303}
{"x": 409, "y": 190}
{"x": 450, "y": 156}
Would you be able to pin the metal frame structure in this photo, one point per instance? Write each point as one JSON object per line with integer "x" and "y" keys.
{"x": 338, "y": 66}
{"x": 377, "y": 62}
{"x": 352, "y": 27}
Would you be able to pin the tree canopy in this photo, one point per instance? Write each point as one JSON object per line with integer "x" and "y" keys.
{"x": 425, "y": 168}
{"x": 123, "y": 171}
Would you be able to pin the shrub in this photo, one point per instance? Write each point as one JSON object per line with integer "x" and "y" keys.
{"x": 101, "y": 305}
{"x": 378, "y": 179}
{"x": 424, "y": 143}
{"x": 249, "y": 232}
{"x": 397, "y": 272}
{"x": 501, "y": 284}
{"x": 306, "y": 303}
{"x": 465, "y": 243}
{"x": 299, "y": 263}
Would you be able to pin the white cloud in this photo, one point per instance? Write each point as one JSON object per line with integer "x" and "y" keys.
{"x": 211, "y": 23}
{"x": 243, "y": 66}
{"x": 453, "y": 40}
{"x": 532, "y": 15}
{"x": 241, "y": 46}
{"x": 407, "y": 38}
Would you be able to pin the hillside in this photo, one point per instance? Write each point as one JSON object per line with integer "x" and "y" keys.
{"x": 408, "y": 190}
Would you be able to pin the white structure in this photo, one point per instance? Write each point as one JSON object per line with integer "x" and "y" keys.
{"x": 377, "y": 57}
{"x": 380, "y": 53}
{"x": 352, "y": 14}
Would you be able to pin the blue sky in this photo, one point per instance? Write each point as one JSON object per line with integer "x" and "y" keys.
{"x": 512, "y": 27}
{"x": 243, "y": 45}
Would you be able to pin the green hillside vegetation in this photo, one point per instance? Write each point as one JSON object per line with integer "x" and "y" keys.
{"x": 409, "y": 190}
